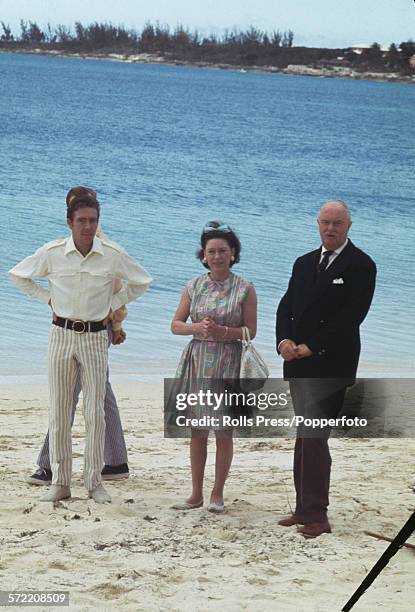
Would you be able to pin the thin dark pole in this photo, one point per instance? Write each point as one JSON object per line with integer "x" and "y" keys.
{"x": 406, "y": 531}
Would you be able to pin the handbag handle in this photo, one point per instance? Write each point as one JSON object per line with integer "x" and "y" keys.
{"x": 245, "y": 335}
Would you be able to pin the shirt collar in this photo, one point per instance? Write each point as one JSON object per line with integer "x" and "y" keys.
{"x": 96, "y": 246}
{"x": 338, "y": 250}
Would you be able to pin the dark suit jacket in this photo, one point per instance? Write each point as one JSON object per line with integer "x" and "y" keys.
{"x": 326, "y": 315}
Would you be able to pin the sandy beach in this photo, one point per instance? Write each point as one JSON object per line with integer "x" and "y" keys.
{"x": 139, "y": 554}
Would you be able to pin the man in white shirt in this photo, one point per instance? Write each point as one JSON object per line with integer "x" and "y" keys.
{"x": 80, "y": 270}
{"x": 115, "y": 450}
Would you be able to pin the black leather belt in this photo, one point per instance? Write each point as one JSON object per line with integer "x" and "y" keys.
{"x": 80, "y": 327}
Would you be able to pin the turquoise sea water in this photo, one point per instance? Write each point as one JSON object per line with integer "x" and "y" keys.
{"x": 170, "y": 148}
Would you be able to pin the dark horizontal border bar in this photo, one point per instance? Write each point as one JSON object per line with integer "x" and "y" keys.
{"x": 308, "y": 407}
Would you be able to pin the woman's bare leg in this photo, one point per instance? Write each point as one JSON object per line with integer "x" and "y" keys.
{"x": 224, "y": 454}
{"x": 198, "y": 455}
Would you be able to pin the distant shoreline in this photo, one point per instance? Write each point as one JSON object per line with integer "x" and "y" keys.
{"x": 338, "y": 72}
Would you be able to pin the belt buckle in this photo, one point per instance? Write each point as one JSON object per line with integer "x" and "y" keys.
{"x": 79, "y": 331}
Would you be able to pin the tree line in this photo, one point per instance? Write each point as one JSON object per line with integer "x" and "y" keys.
{"x": 251, "y": 46}
{"x": 152, "y": 38}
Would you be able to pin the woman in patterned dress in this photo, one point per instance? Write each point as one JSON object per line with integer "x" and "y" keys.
{"x": 219, "y": 303}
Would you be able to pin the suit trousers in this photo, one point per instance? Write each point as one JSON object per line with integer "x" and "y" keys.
{"x": 69, "y": 350}
{"x": 314, "y": 398}
{"x": 115, "y": 451}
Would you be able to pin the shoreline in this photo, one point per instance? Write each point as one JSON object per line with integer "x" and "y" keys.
{"x": 121, "y": 375}
{"x": 338, "y": 72}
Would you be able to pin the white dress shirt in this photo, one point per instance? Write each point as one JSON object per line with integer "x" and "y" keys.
{"x": 81, "y": 288}
{"x": 334, "y": 254}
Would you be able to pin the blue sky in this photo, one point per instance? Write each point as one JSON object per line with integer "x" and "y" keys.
{"x": 328, "y": 23}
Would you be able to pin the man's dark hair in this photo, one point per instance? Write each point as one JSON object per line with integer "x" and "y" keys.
{"x": 228, "y": 235}
{"x": 82, "y": 201}
{"x": 78, "y": 190}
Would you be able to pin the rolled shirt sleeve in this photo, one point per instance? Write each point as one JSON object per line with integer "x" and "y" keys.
{"x": 138, "y": 281}
{"x": 34, "y": 266}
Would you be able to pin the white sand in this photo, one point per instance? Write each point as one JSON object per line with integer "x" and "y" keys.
{"x": 138, "y": 554}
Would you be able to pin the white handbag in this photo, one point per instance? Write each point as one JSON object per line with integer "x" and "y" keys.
{"x": 254, "y": 371}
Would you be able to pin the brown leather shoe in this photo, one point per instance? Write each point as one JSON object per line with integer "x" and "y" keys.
{"x": 313, "y": 530}
{"x": 289, "y": 521}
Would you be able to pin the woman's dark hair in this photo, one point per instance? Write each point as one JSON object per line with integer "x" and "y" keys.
{"x": 224, "y": 232}
{"x": 82, "y": 201}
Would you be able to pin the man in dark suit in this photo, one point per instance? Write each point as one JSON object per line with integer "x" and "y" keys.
{"x": 317, "y": 330}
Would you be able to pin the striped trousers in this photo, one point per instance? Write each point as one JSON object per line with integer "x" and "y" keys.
{"x": 68, "y": 351}
{"x": 115, "y": 451}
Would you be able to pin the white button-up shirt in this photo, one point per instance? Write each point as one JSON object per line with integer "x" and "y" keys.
{"x": 334, "y": 254}
{"x": 81, "y": 288}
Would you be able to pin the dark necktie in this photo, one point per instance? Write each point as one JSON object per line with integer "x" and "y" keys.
{"x": 324, "y": 262}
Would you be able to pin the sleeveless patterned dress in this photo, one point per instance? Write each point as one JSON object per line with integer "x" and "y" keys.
{"x": 222, "y": 301}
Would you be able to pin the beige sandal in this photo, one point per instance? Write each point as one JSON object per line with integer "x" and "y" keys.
{"x": 186, "y": 506}
{"x": 216, "y": 508}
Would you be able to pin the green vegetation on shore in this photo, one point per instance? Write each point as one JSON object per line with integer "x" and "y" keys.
{"x": 251, "y": 47}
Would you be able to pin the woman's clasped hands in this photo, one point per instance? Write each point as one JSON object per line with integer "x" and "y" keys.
{"x": 210, "y": 329}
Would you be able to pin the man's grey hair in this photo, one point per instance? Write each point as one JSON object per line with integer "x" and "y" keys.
{"x": 343, "y": 204}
